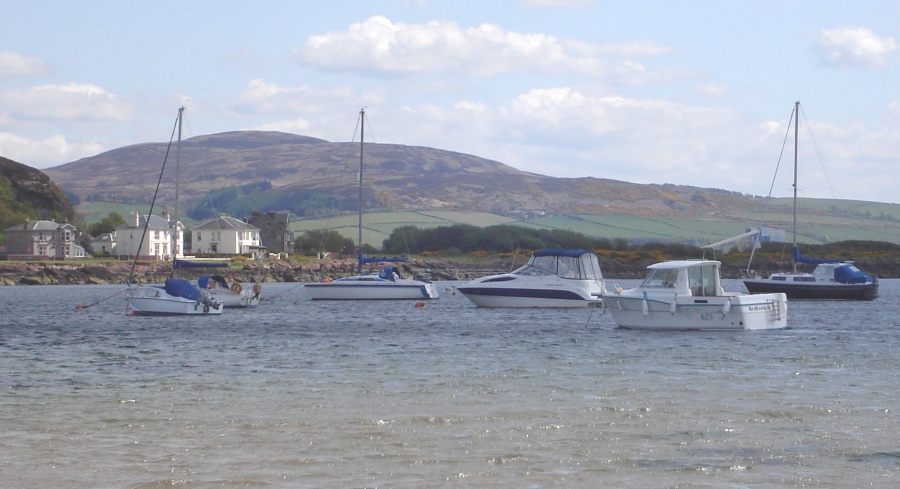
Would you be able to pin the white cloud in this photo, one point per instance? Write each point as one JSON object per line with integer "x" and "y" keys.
{"x": 853, "y": 46}
{"x": 40, "y": 153}
{"x": 296, "y": 126}
{"x": 15, "y": 64}
{"x": 52, "y": 103}
{"x": 382, "y": 46}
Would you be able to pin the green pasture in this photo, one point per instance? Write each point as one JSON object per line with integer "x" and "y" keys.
{"x": 818, "y": 222}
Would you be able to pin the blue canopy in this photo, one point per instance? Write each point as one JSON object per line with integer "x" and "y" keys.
{"x": 849, "y": 274}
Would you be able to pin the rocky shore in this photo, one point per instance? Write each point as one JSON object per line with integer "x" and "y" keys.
{"x": 72, "y": 273}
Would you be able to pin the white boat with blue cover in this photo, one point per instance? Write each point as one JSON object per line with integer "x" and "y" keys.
{"x": 688, "y": 295}
{"x": 551, "y": 278}
{"x": 385, "y": 285}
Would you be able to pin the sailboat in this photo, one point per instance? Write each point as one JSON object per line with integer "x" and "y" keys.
{"x": 831, "y": 279}
{"x": 177, "y": 297}
{"x": 388, "y": 284}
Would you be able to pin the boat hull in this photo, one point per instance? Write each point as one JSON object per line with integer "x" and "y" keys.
{"x": 718, "y": 313}
{"x": 243, "y": 299}
{"x": 487, "y": 296}
{"x": 371, "y": 290}
{"x": 154, "y": 301}
{"x": 812, "y": 290}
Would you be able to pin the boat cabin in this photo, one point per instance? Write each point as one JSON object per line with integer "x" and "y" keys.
{"x": 571, "y": 264}
{"x": 694, "y": 277}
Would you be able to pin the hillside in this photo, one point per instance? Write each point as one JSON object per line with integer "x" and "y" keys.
{"x": 26, "y": 193}
{"x": 289, "y": 172}
{"x": 396, "y": 177}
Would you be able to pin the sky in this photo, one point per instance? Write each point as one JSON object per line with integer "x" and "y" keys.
{"x": 683, "y": 92}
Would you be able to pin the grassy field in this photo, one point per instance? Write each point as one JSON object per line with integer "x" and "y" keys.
{"x": 845, "y": 220}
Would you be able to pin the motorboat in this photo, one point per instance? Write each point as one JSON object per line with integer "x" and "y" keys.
{"x": 550, "y": 278}
{"x": 831, "y": 279}
{"x": 688, "y": 295}
{"x": 385, "y": 285}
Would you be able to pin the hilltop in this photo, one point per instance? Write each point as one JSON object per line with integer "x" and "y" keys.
{"x": 242, "y": 171}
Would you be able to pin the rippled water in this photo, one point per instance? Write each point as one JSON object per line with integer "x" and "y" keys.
{"x": 301, "y": 394}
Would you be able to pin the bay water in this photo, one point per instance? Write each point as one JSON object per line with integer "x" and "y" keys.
{"x": 303, "y": 394}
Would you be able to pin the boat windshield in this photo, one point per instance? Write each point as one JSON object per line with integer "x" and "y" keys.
{"x": 661, "y": 277}
{"x": 585, "y": 267}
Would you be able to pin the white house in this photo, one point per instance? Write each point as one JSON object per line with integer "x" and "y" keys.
{"x": 157, "y": 241}
{"x": 105, "y": 244}
{"x": 225, "y": 235}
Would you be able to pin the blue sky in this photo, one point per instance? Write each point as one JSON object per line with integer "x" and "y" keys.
{"x": 684, "y": 92}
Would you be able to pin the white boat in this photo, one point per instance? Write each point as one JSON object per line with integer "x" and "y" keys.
{"x": 177, "y": 297}
{"x": 551, "y": 278}
{"x": 234, "y": 296}
{"x": 831, "y": 279}
{"x": 386, "y": 285}
{"x": 688, "y": 295}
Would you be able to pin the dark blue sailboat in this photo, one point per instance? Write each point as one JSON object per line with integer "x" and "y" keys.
{"x": 831, "y": 279}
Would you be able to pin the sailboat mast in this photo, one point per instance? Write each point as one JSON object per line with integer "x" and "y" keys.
{"x": 177, "y": 185}
{"x": 796, "y": 144}
{"x": 362, "y": 131}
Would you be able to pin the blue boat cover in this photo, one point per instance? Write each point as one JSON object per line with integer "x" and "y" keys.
{"x": 849, "y": 274}
{"x": 814, "y": 261}
{"x": 203, "y": 282}
{"x": 182, "y": 288}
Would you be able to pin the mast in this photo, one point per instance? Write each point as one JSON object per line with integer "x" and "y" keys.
{"x": 177, "y": 185}
{"x": 362, "y": 131}
{"x": 796, "y": 133}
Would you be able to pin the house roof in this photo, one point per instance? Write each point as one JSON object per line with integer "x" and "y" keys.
{"x": 225, "y": 222}
{"x": 156, "y": 222}
{"x": 39, "y": 225}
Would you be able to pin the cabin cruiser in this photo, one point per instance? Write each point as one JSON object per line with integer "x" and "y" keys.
{"x": 688, "y": 295}
{"x": 551, "y": 278}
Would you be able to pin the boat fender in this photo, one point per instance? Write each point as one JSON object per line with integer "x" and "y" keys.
{"x": 619, "y": 303}
{"x": 727, "y": 307}
{"x": 645, "y": 308}
{"x": 236, "y": 288}
{"x": 673, "y": 306}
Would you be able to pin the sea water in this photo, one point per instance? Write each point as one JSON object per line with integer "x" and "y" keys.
{"x": 302, "y": 394}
